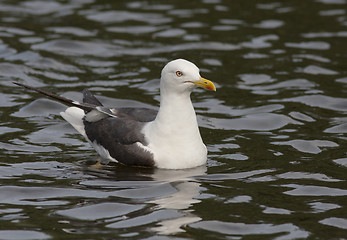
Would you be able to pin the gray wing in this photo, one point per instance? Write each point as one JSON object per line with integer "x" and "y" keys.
{"x": 122, "y": 138}
{"x": 137, "y": 114}
{"x": 119, "y": 131}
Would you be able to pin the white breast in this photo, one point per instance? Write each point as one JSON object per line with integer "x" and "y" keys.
{"x": 175, "y": 148}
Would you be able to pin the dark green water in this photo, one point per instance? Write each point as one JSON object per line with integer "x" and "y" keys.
{"x": 275, "y": 129}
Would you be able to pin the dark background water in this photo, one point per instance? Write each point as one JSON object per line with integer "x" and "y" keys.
{"x": 275, "y": 128}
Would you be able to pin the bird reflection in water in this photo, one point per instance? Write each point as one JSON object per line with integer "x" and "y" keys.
{"x": 168, "y": 195}
{"x": 188, "y": 189}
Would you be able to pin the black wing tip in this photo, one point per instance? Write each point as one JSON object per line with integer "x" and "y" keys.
{"x": 48, "y": 94}
{"x": 89, "y": 97}
{"x": 87, "y": 106}
{"x": 86, "y": 91}
{"x": 19, "y": 84}
{"x": 28, "y": 87}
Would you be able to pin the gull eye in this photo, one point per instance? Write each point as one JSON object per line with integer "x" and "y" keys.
{"x": 179, "y": 74}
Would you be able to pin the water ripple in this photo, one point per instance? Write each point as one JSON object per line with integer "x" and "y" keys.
{"x": 100, "y": 211}
{"x": 288, "y": 231}
{"x": 22, "y": 235}
{"x": 275, "y": 128}
{"x": 305, "y": 190}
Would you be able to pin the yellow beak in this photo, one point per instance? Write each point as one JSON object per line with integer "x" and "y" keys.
{"x": 204, "y": 83}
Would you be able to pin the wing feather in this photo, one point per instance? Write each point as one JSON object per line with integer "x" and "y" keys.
{"x": 122, "y": 138}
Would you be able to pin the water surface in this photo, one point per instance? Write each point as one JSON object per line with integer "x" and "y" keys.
{"x": 275, "y": 128}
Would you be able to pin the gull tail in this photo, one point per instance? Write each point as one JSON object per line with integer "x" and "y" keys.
{"x": 85, "y": 106}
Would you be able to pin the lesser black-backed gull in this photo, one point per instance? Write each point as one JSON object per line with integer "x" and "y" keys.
{"x": 168, "y": 138}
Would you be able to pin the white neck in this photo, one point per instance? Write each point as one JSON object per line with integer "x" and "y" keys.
{"x": 176, "y": 113}
{"x": 174, "y": 135}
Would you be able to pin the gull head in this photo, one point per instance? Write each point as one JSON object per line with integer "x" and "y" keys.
{"x": 179, "y": 76}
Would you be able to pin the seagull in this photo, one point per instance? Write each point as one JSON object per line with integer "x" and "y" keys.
{"x": 168, "y": 138}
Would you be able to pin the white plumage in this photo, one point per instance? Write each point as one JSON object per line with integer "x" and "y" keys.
{"x": 169, "y": 139}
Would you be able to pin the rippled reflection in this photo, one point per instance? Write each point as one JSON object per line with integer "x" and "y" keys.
{"x": 275, "y": 129}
